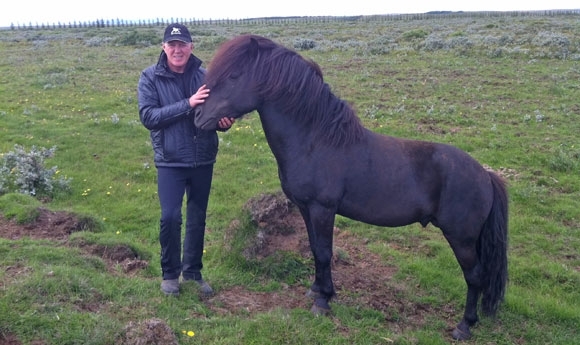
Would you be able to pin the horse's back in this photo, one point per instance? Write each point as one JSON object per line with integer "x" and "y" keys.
{"x": 400, "y": 181}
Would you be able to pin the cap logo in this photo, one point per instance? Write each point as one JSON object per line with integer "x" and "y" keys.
{"x": 175, "y": 31}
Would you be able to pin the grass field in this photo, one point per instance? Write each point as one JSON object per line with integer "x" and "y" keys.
{"x": 504, "y": 89}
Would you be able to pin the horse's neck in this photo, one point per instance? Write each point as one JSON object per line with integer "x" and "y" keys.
{"x": 285, "y": 137}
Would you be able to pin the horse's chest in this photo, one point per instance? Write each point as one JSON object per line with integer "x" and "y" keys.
{"x": 306, "y": 184}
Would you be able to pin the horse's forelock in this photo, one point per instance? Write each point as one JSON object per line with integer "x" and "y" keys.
{"x": 239, "y": 51}
{"x": 221, "y": 64}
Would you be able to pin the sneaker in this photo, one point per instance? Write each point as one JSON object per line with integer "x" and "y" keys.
{"x": 170, "y": 287}
{"x": 204, "y": 288}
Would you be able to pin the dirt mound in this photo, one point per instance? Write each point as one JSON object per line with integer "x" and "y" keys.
{"x": 148, "y": 332}
{"x": 48, "y": 225}
{"x": 117, "y": 257}
{"x": 279, "y": 225}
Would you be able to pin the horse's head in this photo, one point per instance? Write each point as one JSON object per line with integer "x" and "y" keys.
{"x": 232, "y": 81}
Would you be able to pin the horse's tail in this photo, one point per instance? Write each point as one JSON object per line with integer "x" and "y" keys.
{"x": 492, "y": 249}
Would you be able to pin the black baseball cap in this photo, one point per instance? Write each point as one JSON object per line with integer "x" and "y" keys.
{"x": 176, "y": 32}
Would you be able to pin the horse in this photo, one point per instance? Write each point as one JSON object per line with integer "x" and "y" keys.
{"x": 329, "y": 163}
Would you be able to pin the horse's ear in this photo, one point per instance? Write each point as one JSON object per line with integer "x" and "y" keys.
{"x": 254, "y": 47}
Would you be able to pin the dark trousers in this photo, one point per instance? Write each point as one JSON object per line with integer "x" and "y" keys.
{"x": 172, "y": 184}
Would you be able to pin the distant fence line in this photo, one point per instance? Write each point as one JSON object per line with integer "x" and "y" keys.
{"x": 104, "y": 23}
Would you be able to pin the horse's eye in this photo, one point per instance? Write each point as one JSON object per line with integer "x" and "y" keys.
{"x": 235, "y": 75}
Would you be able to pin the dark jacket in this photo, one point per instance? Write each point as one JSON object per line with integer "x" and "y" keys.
{"x": 164, "y": 110}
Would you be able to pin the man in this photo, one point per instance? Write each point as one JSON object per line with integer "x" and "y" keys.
{"x": 184, "y": 155}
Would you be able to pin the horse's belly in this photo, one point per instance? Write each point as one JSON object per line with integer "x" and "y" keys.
{"x": 383, "y": 214}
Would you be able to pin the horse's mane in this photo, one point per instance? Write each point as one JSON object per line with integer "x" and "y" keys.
{"x": 281, "y": 75}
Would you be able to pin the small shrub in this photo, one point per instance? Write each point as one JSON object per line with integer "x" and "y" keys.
{"x": 414, "y": 34}
{"x": 208, "y": 42}
{"x": 97, "y": 41}
{"x": 138, "y": 38}
{"x": 381, "y": 45}
{"x": 24, "y": 172}
{"x": 504, "y": 40}
{"x": 496, "y": 53}
{"x": 304, "y": 44}
{"x": 544, "y": 39}
{"x": 433, "y": 43}
{"x": 565, "y": 160}
{"x": 460, "y": 41}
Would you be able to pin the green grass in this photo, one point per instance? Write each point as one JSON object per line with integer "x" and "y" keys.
{"x": 509, "y": 98}
{"x": 20, "y": 207}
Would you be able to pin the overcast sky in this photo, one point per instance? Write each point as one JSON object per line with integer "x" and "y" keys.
{"x": 65, "y": 11}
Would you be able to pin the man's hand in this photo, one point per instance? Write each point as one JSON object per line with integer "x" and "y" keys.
{"x": 226, "y": 122}
{"x": 199, "y": 97}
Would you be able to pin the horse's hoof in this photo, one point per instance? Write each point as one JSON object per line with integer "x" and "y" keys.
{"x": 320, "y": 311}
{"x": 313, "y": 294}
{"x": 461, "y": 334}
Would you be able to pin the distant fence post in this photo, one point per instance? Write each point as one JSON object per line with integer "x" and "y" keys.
{"x": 101, "y": 23}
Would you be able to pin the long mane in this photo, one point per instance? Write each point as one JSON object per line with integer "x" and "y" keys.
{"x": 296, "y": 85}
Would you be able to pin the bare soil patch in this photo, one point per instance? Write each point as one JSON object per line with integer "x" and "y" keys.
{"x": 49, "y": 225}
{"x": 58, "y": 225}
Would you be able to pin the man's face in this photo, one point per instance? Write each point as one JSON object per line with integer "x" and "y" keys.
{"x": 177, "y": 54}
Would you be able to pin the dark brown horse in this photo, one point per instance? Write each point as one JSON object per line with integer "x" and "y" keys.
{"x": 329, "y": 164}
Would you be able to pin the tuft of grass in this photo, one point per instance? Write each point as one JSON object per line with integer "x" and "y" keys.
{"x": 21, "y": 207}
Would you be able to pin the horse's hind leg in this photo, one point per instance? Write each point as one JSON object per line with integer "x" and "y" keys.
{"x": 320, "y": 223}
{"x": 466, "y": 254}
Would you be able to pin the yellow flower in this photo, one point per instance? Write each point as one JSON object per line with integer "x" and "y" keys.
{"x": 189, "y": 333}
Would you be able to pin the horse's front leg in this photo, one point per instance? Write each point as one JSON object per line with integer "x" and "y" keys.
{"x": 319, "y": 222}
